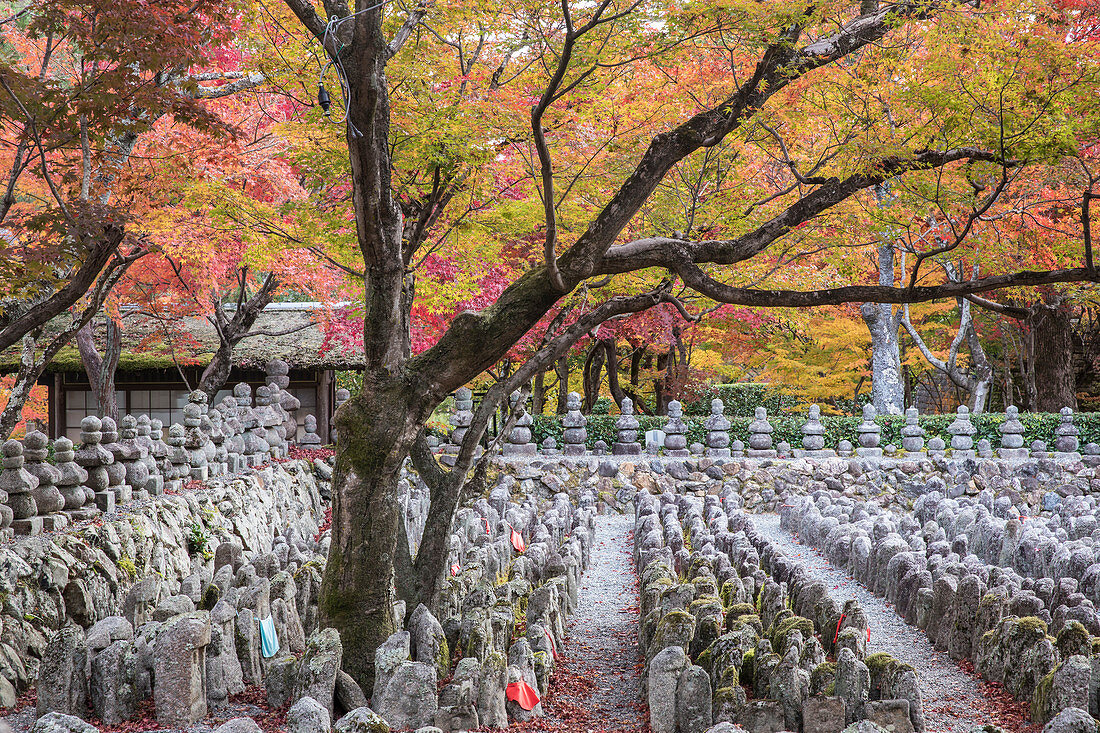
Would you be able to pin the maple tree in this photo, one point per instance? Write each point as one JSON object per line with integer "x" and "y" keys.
{"x": 529, "y": 127}
{"x": 84, "y": 85}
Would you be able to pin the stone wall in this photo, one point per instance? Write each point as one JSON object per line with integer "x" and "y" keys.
{"x": 83, "y": 573}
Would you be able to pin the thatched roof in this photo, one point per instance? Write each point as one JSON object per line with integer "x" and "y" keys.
{"x": 148, "y": 344}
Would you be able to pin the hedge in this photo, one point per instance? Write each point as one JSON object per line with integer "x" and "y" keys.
{"x": 1038, "y": 426}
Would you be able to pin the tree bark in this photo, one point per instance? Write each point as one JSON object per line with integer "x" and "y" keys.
{"x": 101, "y": 369}
{"x": 887, "y": 388}
{"x": 612, "y": 361}
{"x": 1051, "y": 337}
{"x": 561, "y": 366}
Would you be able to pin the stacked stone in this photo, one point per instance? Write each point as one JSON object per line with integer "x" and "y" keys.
{"x": 519, "y": 440}
{"x": 311, "y": 439}
{"x": 234, "y": 441}
{"x": 217, "y": 437}
{"x": 178, "y": 458}
{"x": 813, "y": 435}
{"x": 936, "y": 447}
{"x": 278, "y": 375}
{"x": 676, "y": 431}
{"x": 195, "y": 441}
{"x": 116, "y": 471}
{"x": 94, "y": 458}
{"x": 20, "y": 486}
{"x": 718, "y": 426}
{"x": 160, "y": 450}
{"x": 342, "y": 396}
{"x": 268, "y": 418}
{"x": 134, "y": 455}
{"x": 460, "y": 420}
{"x": 760, "y": 436}
{"x": 912, "y": 435}
{"x": 79, "y": 499}
{"x": 1012, "y": 436}
{"x": 1066, "y": 441}
{"x": 575, "y": 433}
{"x": 153, "y": 454}
{"x": 254, "y": 447}
{"x": 870, "y": 434}
{"x": 47, "y": 497}
{"x": 962, "y": 434}
{"x": 627, "y": 430}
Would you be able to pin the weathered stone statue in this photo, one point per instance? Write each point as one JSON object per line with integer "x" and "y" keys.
{"x": 94, "y": 458}
{"x": 20, "y": 485}
{"x": 760, "y": 436}
{"x": 912, "y": 435}
{"x": 519, "y": 440}
{"x": 1012, "y": 436}
{"x": 718, "y": 426}
{"x": 870, "y": 434}
{"x": 676, "y": 432}
{"x": 627, "y": 427}
{"x": 575, "y": 433}
{"x": 46, "y": 495}
{"x": 962, "y": 434}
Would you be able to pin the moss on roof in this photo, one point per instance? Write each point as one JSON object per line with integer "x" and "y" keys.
{"x": 143, "y": 346}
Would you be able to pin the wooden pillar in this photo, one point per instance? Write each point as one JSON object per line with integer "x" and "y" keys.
{"x": 324, "y": 405}
{"x": 55, "y": 399}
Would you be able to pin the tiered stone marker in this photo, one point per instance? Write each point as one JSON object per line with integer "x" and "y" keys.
{"x": 870, "y": 434}
{"x": 155, "y": 450}
{"x": 937, "y": 448}
{"x": 311, "y": 439}
{"x": 1066, "y": 441}
{"x": 1039, "y": 449}
{"x": 278, "y": 375}
{"x": 912, "y": 435}
{"x": 79, "y": 499}
{"x": 575, "y": 433}
{"x": 519, "y": 440}
{"x": 676, "y": 432}
{"x": 718, "y": 427}
{"x": 116, "y": 471}
{"x": 134, "y": 454}
{"x": 269, "y": 419}
{"x": 217, "y": 437}
{"x": 460, "y": 425}
{"x": 813, "y": 435}
{"x": 94, "y": 459}
{"x": 234, "y": 441}
{"x": 47, "y": 497}
{"x": 342, "y": 396}
{"x": 178, "y": 457}
{"x": 6, "y": 513}
{"x": 627, "y": 430}
{"x": 760, "y": 436}
{"x": 1012, "y": 436}
{"x": 195, "y": 440}
{"x": 19, "y": 484}
{"x": 962, "y": 434}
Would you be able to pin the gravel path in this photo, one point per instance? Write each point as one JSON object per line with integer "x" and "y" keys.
{"x": 953, "y": 701}
{"x": 596, "y": 685}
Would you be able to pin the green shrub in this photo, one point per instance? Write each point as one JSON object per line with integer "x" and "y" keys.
{"x": 1038, "y": 426}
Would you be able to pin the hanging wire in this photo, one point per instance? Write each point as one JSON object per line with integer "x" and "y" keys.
{"x": 323, "y": 98}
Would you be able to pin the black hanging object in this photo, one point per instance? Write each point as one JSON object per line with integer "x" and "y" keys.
{"x": 323, "y": 98}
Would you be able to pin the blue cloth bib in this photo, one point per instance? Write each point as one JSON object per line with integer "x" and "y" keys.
{"x": 269, "y": 640}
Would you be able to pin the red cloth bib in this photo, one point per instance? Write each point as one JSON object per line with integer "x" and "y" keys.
{"x": 522, "y": 694}
{"x": 456, "y": 569}
{"x": 517, "y": 541}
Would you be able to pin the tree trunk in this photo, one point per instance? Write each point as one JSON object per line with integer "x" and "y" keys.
{"x": 887, "y": 388}
{"x": 101, "y": 369}
{"x": 613, "y": 371}
{"x": 593, "y": 365}
{"x": 1051, "y": 339}
{"x": 636, "y": 357}
{"x": 374, "y": 432}
{"x": 538, "y": 394}
{"x": 561, "y": 366}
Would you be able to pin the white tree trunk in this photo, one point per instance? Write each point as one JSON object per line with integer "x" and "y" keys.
{"x": 887, "y": 387}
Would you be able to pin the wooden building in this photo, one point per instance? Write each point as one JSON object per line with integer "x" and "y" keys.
{"x": 159, "y": 366}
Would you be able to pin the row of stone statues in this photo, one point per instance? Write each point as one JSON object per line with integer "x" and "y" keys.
{"x": 672, "y": 437}
{"x": 136, "y": 459}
